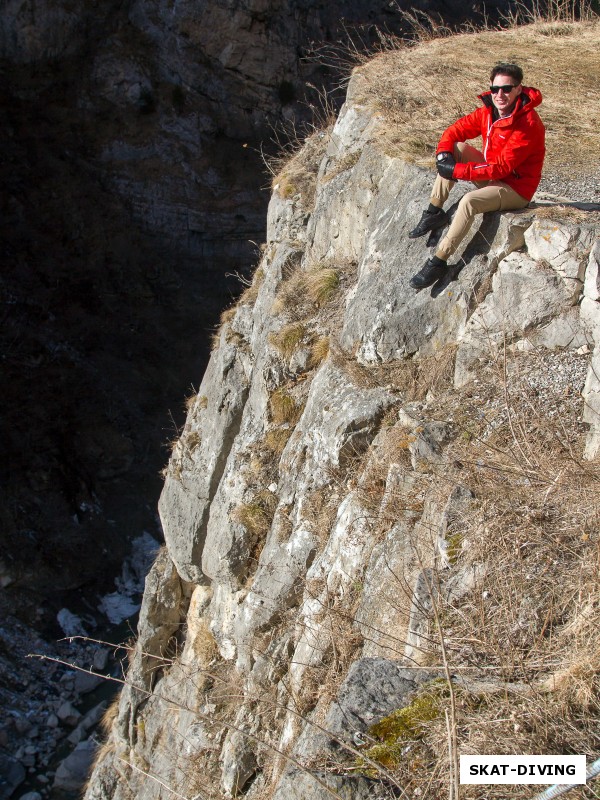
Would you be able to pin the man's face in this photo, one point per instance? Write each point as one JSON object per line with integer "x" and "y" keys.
{"x": 503, "y": 100}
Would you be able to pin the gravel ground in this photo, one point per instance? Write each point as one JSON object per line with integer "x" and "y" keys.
{"x": 553, "y": 378}
{"x": 542, "y": 384}
{"x": 582, "y": 189}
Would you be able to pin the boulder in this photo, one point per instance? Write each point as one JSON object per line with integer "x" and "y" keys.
{"x": 68, "y": 714}
{"x": 12, "y": 775}
{"x": 72, "y": 773}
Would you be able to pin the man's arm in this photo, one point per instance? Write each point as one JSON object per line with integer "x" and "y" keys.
{"x": 518, "y": 148}
{"x": 468, "y": 127}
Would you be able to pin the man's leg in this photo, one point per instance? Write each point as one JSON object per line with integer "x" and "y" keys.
{"x": 434, "y": 216}
{"x": 442, "y": 187}
{"x": 495, "y": 196}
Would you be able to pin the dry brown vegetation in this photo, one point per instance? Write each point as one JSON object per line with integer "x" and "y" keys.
{"x": 295, "y": 171}
{"x": 521, "y": 643}
{"x": 419, "y": 90}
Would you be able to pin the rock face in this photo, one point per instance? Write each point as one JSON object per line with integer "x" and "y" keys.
{"x": 132, "y": 195}
{"x": 132, "y": 178}
{"x": 312, "y": 522}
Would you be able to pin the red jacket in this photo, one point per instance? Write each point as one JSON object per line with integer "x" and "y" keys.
{"x": 513, "y": 146}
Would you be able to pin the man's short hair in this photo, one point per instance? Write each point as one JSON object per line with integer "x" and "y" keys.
{"x": 515, "y": 72}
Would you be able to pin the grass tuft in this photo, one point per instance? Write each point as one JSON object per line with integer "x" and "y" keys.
{"x": 275, "y": 440}
{"x": 322, "y": 285}
{"x": 288, "y": 339}
{"x": 283, "y": 408}
{"x": 257, "y": 515}
{"x": 319, "y": 351}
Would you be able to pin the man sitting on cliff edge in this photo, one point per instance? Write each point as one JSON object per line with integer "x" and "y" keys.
{"x": 506, "y": 174}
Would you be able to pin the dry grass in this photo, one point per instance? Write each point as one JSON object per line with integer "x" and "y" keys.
{"x": 283, "y": 408}
{"x": 256, "y": 516}
{"x": 322, "y": 284}
{"x": 275, "y": 440}
{"x": 320, "y": 509}
{"x": 563, "y": 213}
{"x": 319, "y": 351}
{"x": 549, "y": 12}
{"x": 288, "y": 339}
{"x": 291, "y": 296}
{"x": 110, "y": 715}
{"x": 182, "y": 453}
{"x": 522, "y": 641}
{"x": 303, "y": 292}
{"x": 343, "y": 165}
{"x": 250, "y": 293}
{"x": 295, "y": 171}
{"x": 414, "y": 379}
{"x": 228, "y": 315}
{"x": 408, "y": 87}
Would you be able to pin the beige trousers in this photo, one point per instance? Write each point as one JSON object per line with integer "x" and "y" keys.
{"x": 489, "y": 196}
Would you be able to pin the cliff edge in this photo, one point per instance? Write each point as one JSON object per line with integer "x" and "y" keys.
{"x": 381, "y": 517}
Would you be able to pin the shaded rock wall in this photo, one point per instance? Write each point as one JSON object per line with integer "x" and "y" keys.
{"x": 134, "y": 189}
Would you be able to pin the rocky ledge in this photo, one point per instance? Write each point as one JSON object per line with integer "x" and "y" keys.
{"x": 353, "y": 450}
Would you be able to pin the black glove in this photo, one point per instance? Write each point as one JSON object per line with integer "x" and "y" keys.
{"x": 445, "y": 164}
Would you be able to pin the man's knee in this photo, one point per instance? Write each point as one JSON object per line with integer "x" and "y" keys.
{"x": 473, "y": 203}
{"x": 459, "y": 149}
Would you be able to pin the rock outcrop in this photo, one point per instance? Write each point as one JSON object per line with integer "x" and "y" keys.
{"x": 329, "y": 485}
{"x": 132, "y": 194}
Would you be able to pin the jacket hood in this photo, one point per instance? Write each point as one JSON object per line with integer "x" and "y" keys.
{"x": 531, "y": 98}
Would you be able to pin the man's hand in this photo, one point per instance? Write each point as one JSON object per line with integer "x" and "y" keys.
{"x": 445, "y": 164}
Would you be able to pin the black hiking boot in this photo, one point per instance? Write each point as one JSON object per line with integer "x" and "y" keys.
{"x": 430, "y": 221}
{"x": 433, "y": 269}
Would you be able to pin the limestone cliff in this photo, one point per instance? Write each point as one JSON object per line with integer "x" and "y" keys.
{"x": 133, "y": 191}
{"x": 380, "y": 500}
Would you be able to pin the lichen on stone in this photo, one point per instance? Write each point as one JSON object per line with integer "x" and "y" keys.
{"x": 402, "y": 727}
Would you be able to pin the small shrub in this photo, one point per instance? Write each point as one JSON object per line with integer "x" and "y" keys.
{"x": 322, "y": 285}
{"x": 287, "y": 340}
{"x": 283, "y": 408}
{"x": 257, "y": 515}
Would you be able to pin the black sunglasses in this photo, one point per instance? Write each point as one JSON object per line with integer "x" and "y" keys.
{"x": 507, "y": 88}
